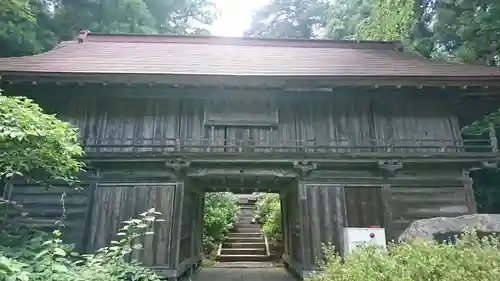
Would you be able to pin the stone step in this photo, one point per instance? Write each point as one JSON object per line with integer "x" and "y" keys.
{"x": 244, "y": 245}
{"x": 247, "y": 222}
{"x": 247, "y": 218}
{"x": 244, "y": 251}
{"x": 244, "y": 239}
{"x": 247, "y": 215}
{"x": 247, "y": 225}
{"x": 237, "y": 258}
{"x": 245, "y": 234}
{"x": 245, "y": 230}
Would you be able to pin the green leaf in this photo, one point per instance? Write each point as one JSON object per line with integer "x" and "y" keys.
{"x": 59, "y": 252}
{"x": 56, "y": 267}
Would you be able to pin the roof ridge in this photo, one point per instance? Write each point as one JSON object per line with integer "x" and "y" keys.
{"x": 86, "y": 36}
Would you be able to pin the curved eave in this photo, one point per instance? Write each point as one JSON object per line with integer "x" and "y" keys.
{"x": 257, "y": 81}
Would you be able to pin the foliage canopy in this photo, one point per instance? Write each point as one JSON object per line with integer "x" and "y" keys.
{"x": 269, "y": 215}
{"x": 220, "y": 214}
{"x": 32, "y": 26}
{"x": 34, "y": 144}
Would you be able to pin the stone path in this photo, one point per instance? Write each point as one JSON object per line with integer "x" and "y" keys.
{"x": 242, "y": 274}
{"x": 245, "y": 243}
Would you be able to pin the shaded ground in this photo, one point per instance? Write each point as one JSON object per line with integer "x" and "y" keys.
{"x": 243, "y": 274}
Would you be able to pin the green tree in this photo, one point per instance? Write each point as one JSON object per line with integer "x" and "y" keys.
{"x": 23, "y": 27}
{"x": 112, "y": 16}
{"x": 269, "y": 215}
{"x": 36, "y": 145}
{"x": 220, "y": 213}
{"x": 388, "y": 20}
{"x": 290, "y": 19}
{"x": 344, "y": 17}
{"x": 467, "y": 30}
{"x": 181, "y": 16}
{"x": 32, "y": 26}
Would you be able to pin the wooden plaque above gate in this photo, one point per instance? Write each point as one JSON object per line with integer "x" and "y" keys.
{"x": 246, "y": 113}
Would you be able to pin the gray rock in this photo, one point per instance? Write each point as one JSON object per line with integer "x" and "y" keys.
{"x": 430, "y": 229}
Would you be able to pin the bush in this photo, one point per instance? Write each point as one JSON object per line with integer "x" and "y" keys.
{"x": 269, "y": 215}
{"x": 36, "y": 145}
{"x": 34, "y": 256}
{"x": 220, "y": 214}
{"x": 471, "y": 259}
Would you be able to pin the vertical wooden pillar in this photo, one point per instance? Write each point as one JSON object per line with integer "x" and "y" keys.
{"x": 305, "y": 227}
{"x": 177, "y": 224}
{"x": 284, "y": 223}
{"x": 198, "y": 230}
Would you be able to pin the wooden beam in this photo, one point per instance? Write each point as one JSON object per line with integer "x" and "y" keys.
{"x": 275, "y": 81}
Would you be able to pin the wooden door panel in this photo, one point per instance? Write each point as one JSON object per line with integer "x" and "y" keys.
{"x": 115, "y": 203}
{"x": 364, "y": 206}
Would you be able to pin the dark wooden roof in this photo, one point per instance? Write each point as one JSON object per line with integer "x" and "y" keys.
{"x": 241, "y": 57}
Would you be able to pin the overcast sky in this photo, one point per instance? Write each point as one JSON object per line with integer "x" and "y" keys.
{"x": 234, "y": 16}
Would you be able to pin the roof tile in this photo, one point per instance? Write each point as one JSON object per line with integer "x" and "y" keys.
{"x": 139, "y": 54}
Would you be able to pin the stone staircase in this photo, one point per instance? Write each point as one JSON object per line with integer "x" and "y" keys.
{"x": 246, "y": 242}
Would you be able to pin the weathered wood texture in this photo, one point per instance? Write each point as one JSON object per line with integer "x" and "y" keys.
{"x": 323, "y": 218}
{"x": 44, "y": 207}
{"x": 325, "y": 209}
{"x": 115, "y": 203}
{"x": 291, "y": 225}
{"x": 412, "y": 203}
{"x": 342, "y": 123}
{"x": 191, "y": 226}
{"x": 364, "y": 206}
{"x": 427, "y": 122}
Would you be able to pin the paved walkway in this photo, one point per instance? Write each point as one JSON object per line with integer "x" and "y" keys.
{"x": 242, "y": 274}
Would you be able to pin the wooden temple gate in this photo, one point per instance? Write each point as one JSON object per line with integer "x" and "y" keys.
{"x": 348, "y": 133}
{"x": 315, "y": 209}
{"x": 332, "y": 169}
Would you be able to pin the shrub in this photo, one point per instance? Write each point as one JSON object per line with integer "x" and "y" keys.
{"x": 39, "y": 257}
{"x": 471, "y": 259}
{"x": 220, "y": 214}
{"x": 36, "y": 145}
{"x": 269, "y": 215}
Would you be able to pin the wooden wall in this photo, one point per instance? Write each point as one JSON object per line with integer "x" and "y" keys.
{"x": 338, "y": 120}
{"x": 117, "y": 202}
{"x": 322, "y": 220}
{"x": 43, "y": 207}
{"x": 94, "y": 216}
{"x": 325, "y": 209}
{"x": 420, "y": 202}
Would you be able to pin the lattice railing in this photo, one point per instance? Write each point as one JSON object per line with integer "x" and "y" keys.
{"x": 290, "y": 146}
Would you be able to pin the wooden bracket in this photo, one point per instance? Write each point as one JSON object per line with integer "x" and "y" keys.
{"x": 390, "y": 165}
{"x": 489, "y": 164}
{"x": 305, "y": 167}
{"x": 178, "y": 165}
{"x": 483, "y": 165}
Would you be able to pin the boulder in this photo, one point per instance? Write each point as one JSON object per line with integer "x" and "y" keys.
{"x": 443, "y": 228}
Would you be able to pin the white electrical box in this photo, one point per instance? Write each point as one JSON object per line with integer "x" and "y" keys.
{"x": 356, "y": 236}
